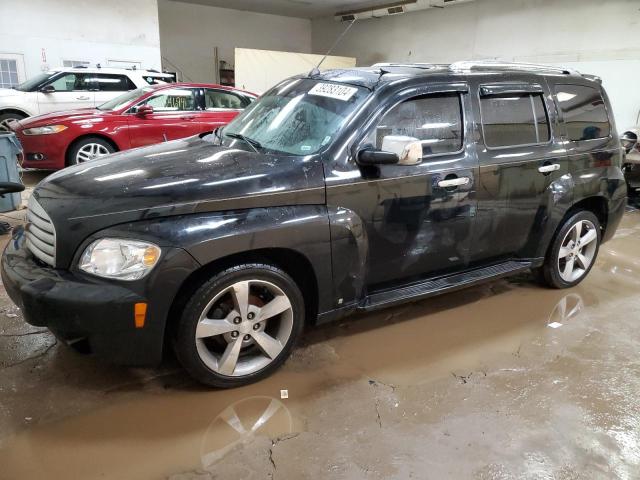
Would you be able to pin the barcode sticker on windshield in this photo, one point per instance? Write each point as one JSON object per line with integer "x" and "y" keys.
{"x": 331, "y": 90}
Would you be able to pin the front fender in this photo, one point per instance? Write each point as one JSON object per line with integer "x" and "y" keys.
{"x": 211, "y": 236}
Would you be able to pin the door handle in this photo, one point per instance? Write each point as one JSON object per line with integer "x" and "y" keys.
{"x": 188, "y": 117}
{"x": 549, "y": 168}
{"x": 83, "y": 97}
{"x": 453, "y": 182}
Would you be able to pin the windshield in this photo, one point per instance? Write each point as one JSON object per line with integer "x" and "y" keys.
{"x": 124, "y": 99}
{"x": 35, "y": 82}
{"x": 298, "y": 117}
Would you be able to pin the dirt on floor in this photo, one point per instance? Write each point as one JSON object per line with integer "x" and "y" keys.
{"x": 473, "y": 384}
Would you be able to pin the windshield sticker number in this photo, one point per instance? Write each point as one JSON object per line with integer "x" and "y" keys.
{"x": 331, "y": 90}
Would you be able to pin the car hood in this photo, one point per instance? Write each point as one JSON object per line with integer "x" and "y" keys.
{"x": 65, "y": 116}
{"x": 174, "y": 178}
{"x": 9, "y": 92}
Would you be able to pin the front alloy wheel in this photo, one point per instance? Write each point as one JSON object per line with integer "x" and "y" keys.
{"x": 240, "y": 326}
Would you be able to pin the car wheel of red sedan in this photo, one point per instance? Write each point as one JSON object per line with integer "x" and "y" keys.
{"x": 88, "y": 149}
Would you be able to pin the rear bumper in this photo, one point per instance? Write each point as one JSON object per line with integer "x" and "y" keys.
{"x": 77, "y": 307}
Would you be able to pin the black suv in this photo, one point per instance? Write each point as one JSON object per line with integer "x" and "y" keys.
{"x": 335, "y": 192}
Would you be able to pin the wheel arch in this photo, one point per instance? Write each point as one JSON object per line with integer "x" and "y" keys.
{"x": 89, "y": 135}
{"x": 291, "y": 261}
{"x": 15, "y": 110}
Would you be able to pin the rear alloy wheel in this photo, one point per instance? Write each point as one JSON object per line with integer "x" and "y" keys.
{"x": 240, "y": 326}
{"x": 7, "y": 118}
{"x": 573, "y": 252}
{"x": 89, "y": 148}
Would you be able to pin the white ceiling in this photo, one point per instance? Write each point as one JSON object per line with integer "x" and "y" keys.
{"x": 293, "y": 8}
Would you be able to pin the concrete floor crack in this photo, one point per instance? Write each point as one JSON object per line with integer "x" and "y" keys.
{"x": 39, "y": 332}
{"x": 33, "y": 357}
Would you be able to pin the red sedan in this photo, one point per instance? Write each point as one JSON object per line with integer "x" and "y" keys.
{"x": 141, "y": 117}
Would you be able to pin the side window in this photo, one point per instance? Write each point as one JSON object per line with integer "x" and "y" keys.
{"x": 70, "y": 82}
{"x": 172, "y": 100}
{"x": 214, "y": 99}
{"x": 583, "y": 111}
{"x": 434, "y": 120}
{"x": 112, "y": 83}
{"x": 514, "y": 119}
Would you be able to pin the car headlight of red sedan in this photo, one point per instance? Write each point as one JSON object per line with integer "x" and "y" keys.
{"x": 46, "y": 130}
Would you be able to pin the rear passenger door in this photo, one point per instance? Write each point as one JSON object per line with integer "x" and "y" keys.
{"x": 108, "y": 86}
{"x": 520, "y": 157}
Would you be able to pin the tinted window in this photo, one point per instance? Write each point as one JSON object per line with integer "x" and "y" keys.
{"x": 214, "y": 99}
{"x": 435, "y": 120}
{"x": 172, "y": 100}
{"x": 70, "y": 82}
{"x": 583, "y": 111}
{"x": 514, "y": 119}
{"x": 151, "y": 80}
{"x": 112, "y": 83}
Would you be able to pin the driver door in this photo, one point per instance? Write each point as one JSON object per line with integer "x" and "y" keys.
{"x": 70, "y": 91}
{"x": 174, "y": 115}
{"x": 418, "y": 218}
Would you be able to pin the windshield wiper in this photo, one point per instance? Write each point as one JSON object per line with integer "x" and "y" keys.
{"x": 254, "y": 144}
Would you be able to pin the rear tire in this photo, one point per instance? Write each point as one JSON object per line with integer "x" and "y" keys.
{"x": 572, "y": 253}
{"x": 6, "y": 118}
{"x": 239, "y": 326}
{"x": 87, "y": 149}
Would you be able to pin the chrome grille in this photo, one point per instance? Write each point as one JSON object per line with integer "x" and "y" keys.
{"x": 41, "y": 234}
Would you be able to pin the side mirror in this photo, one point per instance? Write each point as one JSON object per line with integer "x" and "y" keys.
{"x": 370, "y": 156}
{"x": 144, "y": 110}
{"x": 48, "y": 89}
{"x": 408, "y": 149}
{"x": 628, "y": 140}
{"x": 412, "y": 154}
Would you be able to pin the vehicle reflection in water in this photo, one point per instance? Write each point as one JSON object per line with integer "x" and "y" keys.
{"x": 240, "y": 422}
{"x": 568, "y": 308}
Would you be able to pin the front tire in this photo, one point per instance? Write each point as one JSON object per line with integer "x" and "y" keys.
{"x": 7, "y": 118}
{"x": 87, "y": 149}
{"x": 240, "y": 326}
{"x": 573, "y": 251}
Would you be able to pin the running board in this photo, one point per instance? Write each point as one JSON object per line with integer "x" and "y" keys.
{"x": 446, "y": 284}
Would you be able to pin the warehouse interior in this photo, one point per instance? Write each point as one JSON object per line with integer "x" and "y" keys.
{"x": 503, "y": 379}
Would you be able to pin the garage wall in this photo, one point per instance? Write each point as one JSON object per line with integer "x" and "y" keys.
{"x": 189, "y": 33}
{"x": 602, "y": 36}
{"x": 44, "y": 33}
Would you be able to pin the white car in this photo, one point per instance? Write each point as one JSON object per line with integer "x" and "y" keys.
{"x": 71, "y": 88}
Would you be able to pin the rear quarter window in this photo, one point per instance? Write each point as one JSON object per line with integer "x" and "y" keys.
{"x": 583, "y": 111}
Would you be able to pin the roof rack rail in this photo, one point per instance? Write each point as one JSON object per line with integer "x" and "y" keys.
{"x": 468, "y": 65}
{"x": 404, "y": 65}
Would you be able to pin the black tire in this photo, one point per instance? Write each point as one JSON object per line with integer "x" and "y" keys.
{"x": 184, "y": 337}
{"x": 5, "y": 118}
{"x": 72, "y": 153}
{"x": 549, "y": 273}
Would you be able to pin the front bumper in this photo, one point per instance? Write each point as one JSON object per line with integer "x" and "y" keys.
{"x": 75, "y": 307}
{"x": 42, "y": 151}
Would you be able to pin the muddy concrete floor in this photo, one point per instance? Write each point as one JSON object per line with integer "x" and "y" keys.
{"x": 474, "y": 384}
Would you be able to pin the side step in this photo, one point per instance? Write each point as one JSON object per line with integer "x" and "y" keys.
{"x": 440, "y": 285}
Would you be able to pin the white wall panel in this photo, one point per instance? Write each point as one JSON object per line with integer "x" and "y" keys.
{"x": 259, "y": 70}
{"x": 47, "y": 32}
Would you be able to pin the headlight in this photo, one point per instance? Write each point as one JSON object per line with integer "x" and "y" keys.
{"x": 120, "y": 258}
{"x": 47, "y": 130}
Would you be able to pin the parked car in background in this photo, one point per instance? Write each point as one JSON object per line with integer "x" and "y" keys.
{"x": 145, "y": 116}
{"x": 68, "y": 88}
{"x": 631, "y": 166}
